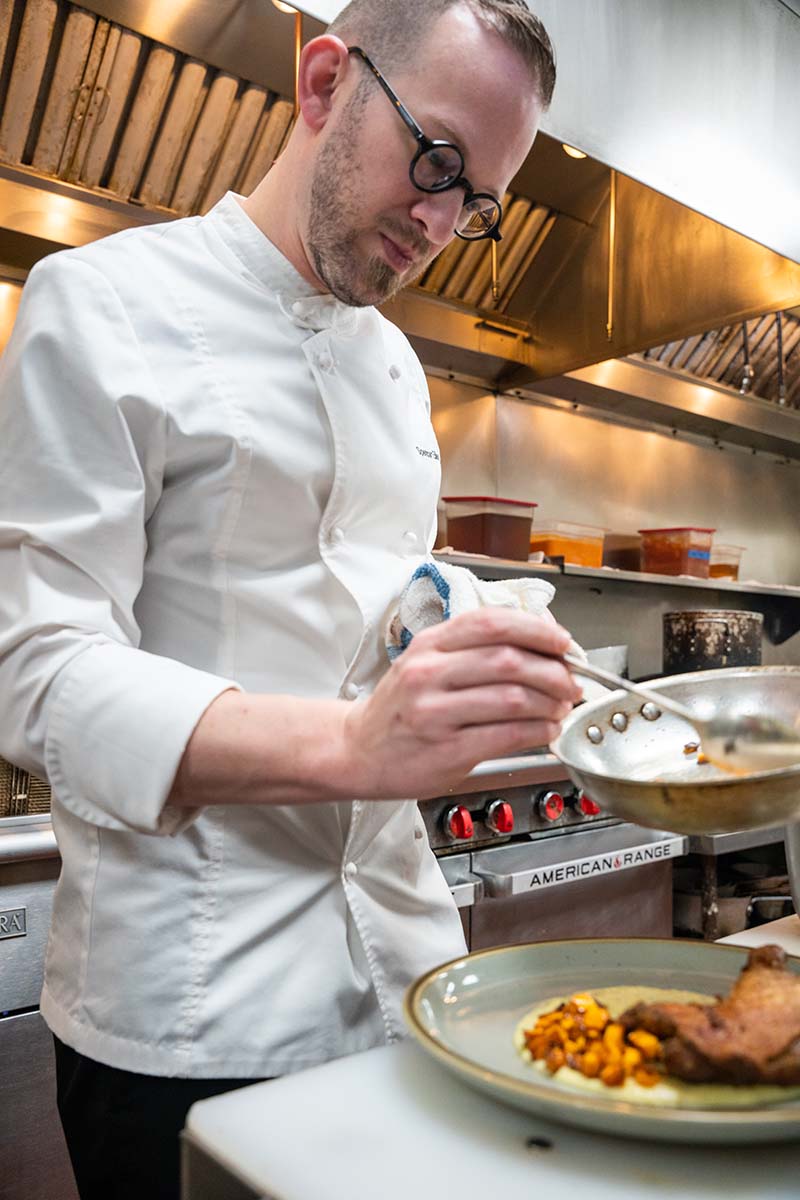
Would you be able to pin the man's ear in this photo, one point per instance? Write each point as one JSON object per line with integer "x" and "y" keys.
{"x": 324, "y": 63}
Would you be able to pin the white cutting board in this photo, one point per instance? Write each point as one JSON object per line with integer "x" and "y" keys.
{"x": 785, "y": 933}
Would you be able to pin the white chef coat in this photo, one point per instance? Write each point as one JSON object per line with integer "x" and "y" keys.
{"x": 210, "y": 476}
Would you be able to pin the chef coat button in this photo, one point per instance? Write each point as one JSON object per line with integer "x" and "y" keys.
{"x": 325, "y": 362}
{"x": 350, "y": 871}
{"x": 298, "y": 307}
{"x": 418, "y": 833}
{"x": 394, "y": 371}
{"x": 410, "y": 539}
{"x": 336, "y": 534}
{"x": 351, "y": 690}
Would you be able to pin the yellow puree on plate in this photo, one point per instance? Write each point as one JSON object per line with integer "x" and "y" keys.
{"x": 668, "y": 1092}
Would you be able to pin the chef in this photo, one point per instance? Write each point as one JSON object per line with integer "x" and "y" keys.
{"x": 218, "y": 472}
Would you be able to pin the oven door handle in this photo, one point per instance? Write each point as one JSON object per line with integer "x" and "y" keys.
{"x": 537, "y": 875}
{"x": 467, "y": 891}
{"x": 20, "y": 845}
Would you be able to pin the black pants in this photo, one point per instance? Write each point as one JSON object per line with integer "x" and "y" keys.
{"x": 122, "y": 1128}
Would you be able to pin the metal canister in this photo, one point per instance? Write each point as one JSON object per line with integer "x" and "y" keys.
{"x": 702, "y": 639}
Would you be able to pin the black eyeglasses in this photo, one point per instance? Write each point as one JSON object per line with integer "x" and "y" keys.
{"x": 438, "y": 166}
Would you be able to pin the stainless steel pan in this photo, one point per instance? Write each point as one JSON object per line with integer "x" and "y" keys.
{"x": 632, "y": 759}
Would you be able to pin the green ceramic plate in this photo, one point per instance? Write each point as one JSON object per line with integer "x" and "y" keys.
{"x": 464, "y": 1013}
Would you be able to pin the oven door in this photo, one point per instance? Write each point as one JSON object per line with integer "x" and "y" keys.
{"x": 611, "y": 882}
{"x": 34, "y": 1164}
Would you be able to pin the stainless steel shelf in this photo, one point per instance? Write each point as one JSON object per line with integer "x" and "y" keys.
{"x": 726, "y": 843}
{"x": 779, "y": 602}
{"x": 498, "y": 568}
{"x": 513, "y": 569}
{"x": 747, "y": 586}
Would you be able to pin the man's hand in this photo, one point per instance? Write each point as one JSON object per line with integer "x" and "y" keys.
{"x": 481, "y": 685}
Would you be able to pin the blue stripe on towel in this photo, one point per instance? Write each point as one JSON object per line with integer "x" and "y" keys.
{"x": 440, "y": 583}
{"x": 431, "y": 571}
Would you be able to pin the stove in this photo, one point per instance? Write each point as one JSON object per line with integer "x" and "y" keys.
{"x": 528, "y": 856}
{"x": 526, "y": 796}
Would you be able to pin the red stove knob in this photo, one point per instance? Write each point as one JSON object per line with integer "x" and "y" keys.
{"x": 550, "y": 806}
{"x": 499, "y": 816}
{"x": 458, "y": 823}
{"x": 584, "y": 804}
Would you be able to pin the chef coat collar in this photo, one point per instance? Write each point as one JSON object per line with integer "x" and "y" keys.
{"x": 299, "y": 300}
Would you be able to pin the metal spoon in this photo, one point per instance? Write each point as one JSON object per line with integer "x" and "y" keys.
{"x": 739, "y": 743}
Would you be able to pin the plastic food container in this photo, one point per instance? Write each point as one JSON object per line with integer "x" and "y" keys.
{"x": 490, "y": 525}
{"x": 623, "y": 551}
{"x": 682, "y": 550}
{"x": 579, "y": 544}
{"x": 725, "y": 561}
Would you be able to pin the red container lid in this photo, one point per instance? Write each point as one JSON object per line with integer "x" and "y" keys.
{"x": 489, "y": 500}
{"x": 679, "y": 529}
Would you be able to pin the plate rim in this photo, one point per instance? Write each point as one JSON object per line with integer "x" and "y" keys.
{"x": 647, "y": 1114}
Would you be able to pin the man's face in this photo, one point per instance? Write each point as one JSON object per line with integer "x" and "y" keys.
{"x": 370, "y": 231}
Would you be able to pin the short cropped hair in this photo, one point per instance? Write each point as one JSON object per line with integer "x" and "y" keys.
{"x": 392, "y": 31}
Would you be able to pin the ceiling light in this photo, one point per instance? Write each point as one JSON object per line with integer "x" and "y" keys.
{"x": 570, "y": 150}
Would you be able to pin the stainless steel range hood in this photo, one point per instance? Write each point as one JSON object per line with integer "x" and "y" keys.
{"x": 696, "y": 100}
{"x": 121, "y": 112}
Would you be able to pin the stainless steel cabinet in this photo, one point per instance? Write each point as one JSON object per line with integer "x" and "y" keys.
{"x": 34, "y": 1163}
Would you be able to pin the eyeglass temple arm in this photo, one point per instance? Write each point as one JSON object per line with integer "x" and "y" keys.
{"x": 401, "y": 108}
{"x": 407, "y": 117}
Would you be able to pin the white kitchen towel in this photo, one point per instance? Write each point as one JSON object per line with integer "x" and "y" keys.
{"x": 438, "y": 591}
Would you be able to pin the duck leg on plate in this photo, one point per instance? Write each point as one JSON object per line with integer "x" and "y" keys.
{"x": 752, "y": 1035}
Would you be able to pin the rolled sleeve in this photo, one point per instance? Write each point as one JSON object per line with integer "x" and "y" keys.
{"x": 98, "y": 770}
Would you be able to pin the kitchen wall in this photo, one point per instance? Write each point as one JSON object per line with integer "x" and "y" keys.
{"x": 9, "y": 303}
{"x": 580, "y": 468}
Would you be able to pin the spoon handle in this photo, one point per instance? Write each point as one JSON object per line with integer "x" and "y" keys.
{"x": 610, "y": 680}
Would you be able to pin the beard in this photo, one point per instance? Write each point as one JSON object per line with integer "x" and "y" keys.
{"x": 334, "y": 231}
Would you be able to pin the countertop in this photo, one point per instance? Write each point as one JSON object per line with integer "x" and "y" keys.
{"x": 785, "y": 932}
{"x": 391, "y": 1124}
